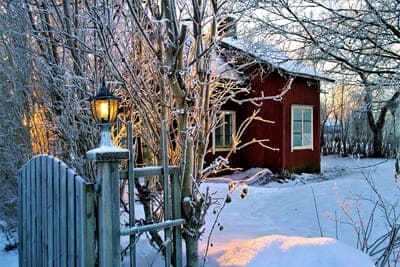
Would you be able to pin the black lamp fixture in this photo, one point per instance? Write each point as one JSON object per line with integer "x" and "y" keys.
{"x": 104, "y": 107}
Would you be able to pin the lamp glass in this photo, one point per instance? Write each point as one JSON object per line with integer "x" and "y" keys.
{"x": 104, "y": 110}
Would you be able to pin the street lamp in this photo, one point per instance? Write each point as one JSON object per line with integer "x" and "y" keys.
{"x": 104, "y": 107}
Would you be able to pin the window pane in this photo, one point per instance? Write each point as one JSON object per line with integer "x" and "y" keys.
{"x": 228, "y": 118}
{"x": 218, "y": 131}
{"x": 228, "y": 140}
{"x": 297, "y": 127}
{"x": 297, "y": 140}
{"x": 297, "y": 114}
{"x": 218, "y": 137}
{"x": 307, "y": 127}
{"x": 223, "y": 134}
{"x": 228, "y": 129}
{"x": 218, "y": 140}
{"x": 307, "y": 114}
{"x": 307, "y": 139}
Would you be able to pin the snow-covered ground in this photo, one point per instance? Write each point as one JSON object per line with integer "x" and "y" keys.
{"x": 280, "y": 224}
{"x": 251, "y": 225}
{"x": 7, "y": 259}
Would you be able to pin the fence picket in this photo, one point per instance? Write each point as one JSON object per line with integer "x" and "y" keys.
{"x": 35, "y": 192}
{"x": 28, "y": 218}
{"x": 43, "y": 209}
{"x": 50, "y": 211}
{"x": 39, "y": 214}
{"x": 84, "y": 223}
{"x": 80, "y": 220}
{"x": 176, "y": 213}
{"x": 21, "y": 214}
{"x": 57, "y": 217}
{"x": 63, "y": 215}
{"x": 90, "y": 226}
{"x": 71, "y": 217}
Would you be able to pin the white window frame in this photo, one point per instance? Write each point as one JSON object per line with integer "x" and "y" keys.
{"x": 302, "y": 107}
{"x": 221, "y": 115}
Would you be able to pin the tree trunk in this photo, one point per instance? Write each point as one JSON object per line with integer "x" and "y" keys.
{"x": 377, "y": 143}
{"x": 192, "y": 246}
{"x": 377, "y": 126}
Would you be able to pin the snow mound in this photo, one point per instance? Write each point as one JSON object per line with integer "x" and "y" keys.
{"x": 293, "y": 251}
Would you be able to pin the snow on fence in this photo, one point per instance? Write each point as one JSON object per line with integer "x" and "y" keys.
{"x": 56, "y": 212}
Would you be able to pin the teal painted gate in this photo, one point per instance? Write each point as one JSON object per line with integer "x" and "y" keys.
{"x": 56, "y": 215}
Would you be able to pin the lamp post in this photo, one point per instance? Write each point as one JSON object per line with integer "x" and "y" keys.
{"x": 104, "y": 107}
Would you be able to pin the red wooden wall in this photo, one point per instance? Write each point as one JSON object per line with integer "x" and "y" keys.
{"x": 303, "y": 92}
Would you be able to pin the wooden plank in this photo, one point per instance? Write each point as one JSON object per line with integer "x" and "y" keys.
{"x": 167, "y": 204}
{"x": 27, "y": 212}
{"x": 148, "y": 171}
{"x": 34, "y": 212}
{"x": 50, "y": 212}
{"x": 43, "y": 208}
{"x": 90, "y": 226}
{"x": 21, "y": 215}
{"x": 71, "y": 217}
{"x": 145, "y": 171}
{"x": 63, "y": 215}
{"x": 85, "y": 223}
{"x": 28, "y": 220}
{"x": 39, "y": 212}
{"x": 108, "y": 214}
{"x": 57, "y": 215}
{"x": 131, "y": 192}
{"x": 152, "y": 227}
{"x": 176, "y": 214}
{"x": 80, "y": 221}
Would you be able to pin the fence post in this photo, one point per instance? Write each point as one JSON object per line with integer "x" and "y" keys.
{"x": 131, "y": 191}
{"x": 107, "y": 159}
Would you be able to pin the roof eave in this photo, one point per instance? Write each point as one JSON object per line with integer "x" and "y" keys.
{"x": 314, "y": 77}
{"x": 296, "y": 74}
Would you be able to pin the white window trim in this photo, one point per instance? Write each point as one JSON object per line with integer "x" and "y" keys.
{"x": 311, "y": 146}
{"x": 222, "y": 149}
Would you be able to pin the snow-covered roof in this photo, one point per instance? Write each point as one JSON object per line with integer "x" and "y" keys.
{"x": 220, "y": 67}
{"x": 275, "y": 57}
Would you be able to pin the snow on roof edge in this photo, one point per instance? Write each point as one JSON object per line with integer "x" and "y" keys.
{"x": 275, "y": 57}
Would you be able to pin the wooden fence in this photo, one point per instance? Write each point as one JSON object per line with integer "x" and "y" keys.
{"x": 57, "y": 218}
{"x": 169, "y": 178}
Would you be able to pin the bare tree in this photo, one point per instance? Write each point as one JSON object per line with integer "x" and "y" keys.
{"x": 178, "y": 50}
{"x": 358, "y": 39}
{"x": 157, "y": 54}
{"x": 15, "y": 145}
{"x": 162, "y": 57}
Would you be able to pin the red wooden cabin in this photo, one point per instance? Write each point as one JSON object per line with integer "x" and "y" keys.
{"x": 295, "y": 133}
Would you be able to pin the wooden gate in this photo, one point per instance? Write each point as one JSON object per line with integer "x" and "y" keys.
{"x": 56, "y": 212}
{"x": 173, "y": 221}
